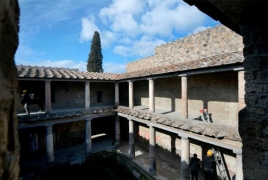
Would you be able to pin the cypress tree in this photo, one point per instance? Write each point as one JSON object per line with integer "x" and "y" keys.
{"x": 94, "y": 62}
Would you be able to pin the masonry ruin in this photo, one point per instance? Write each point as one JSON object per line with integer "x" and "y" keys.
{"x": 172, "y": 84}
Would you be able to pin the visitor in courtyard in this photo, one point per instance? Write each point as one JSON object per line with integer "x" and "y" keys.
{"x": 25, "y": 101}
{"x": 40, "y": 100}
{"x": 195, "y": 165}
{"x": 209, "y": 166}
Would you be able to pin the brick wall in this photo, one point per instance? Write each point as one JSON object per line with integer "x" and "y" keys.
{"x": 210, "y": 42}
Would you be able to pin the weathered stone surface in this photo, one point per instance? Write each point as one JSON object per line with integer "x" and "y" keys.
{"x": 9, "y": 141}
{"x": 211, "y": 42}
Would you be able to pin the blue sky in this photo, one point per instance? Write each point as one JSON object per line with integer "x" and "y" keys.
{"x": 58, "y": 33}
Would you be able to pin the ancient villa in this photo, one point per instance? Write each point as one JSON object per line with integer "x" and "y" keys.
{"x": 241, "y": 16}
{"x": 158, "y": 101}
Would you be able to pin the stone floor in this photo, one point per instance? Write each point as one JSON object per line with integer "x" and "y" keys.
{"x": 168, "y": 167}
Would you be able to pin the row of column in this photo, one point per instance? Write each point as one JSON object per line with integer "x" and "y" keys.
{"x": 87, "y": 95}
{"x": 184, "y": 94}
{"x": 185, "y": 153}
{"x": 88, "y": 140}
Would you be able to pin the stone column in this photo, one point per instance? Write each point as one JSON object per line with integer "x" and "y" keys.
{"x": 49, "y": 144}
{"x": 241, "y": 90}
{"x": 151, "y": 96}
{"x": 48, "y": 96}
{"x": 253, "y": 126}
{"x": 117, "y": 130}
{"x": 116, "y": 91}
{"x": 152, "y": 158}
{"x": 239, "y": 165}
{"x": 88, "y": 137}
{"x": 131, "y": 140}
{"x": 185, "y": 158}
{"x": 131, "y": 94}
{"x": 87, "y": 94}
{"x": 184, "y": 98}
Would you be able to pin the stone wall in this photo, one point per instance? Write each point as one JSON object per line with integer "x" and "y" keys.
{"x": 253, "y": 119}
{"x": 216, "y": 91}
{"x": 9, "y": 146}
{"x": 210, "y": 42}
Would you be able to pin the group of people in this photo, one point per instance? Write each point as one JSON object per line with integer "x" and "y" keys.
{"x": 209, "y": 165}
{"x": 25, "y": 101}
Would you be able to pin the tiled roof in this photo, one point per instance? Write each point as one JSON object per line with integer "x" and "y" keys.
{"x": 65, "y": 73}
{"x": 192, "y": 126}
{"x": 61, "y": 73}
{"x": 212, "y": 61}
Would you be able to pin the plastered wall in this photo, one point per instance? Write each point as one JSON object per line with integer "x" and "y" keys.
{"x": 216, "y": 91}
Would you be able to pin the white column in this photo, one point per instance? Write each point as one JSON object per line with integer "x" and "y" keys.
{"x": 131, "y": 140}
{"x": 49, "y": 144}
{"x": 239, "y": 165}
{"x": 116, "y": 94}
{"x": 88, "y": 137}
{"x": 117, "y": 130}
{"x": 151, "y": 96}
{"x": 87, "y": 94}
{"x": 152, "y": 158}
{"x": 131, "y": 94}
{"x": 185, "y": 158}
{"x": 184, "y": 97}
{"x": 241, "y": 90}
{"x": 48, "y": 96}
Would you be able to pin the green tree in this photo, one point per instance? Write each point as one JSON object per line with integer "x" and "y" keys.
{"x": 94, "y": 62}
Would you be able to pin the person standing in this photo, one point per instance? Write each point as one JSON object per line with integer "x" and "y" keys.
{"x": 209, "y": 165}
{"x": 195, "y": 165}
{"x": 25, "y": 101}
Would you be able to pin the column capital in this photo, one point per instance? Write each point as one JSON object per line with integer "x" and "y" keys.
{"x": 151, "y": 78}
{"x": 183, "y": 136}
{"x": 89, "y": 119}
{"x": 48, "y": 80}
{"x": 130, "y": 80}
{"x": 48, "y": 125}
{"x": 237, "y": 151}
{"x": 183, "y": 75}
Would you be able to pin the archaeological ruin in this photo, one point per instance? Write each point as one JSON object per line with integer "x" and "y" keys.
{"x": 204, "y": 91}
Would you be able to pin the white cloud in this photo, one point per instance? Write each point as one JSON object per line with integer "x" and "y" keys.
{"x": 88, "y": 28}
{"x": 112, "y": 67}
{"x": 121, "y": 16}
{"x": 107, "y": 37}
{"x": 143, "y": 47}
{"x": 168, "y": 16}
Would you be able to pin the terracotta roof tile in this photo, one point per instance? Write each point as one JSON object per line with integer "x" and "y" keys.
{"x": 212, "y": 61}
{"x": 61, "y": 73}
{"x": 203, "y": 128}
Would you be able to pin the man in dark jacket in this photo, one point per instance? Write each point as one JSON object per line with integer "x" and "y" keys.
{"x": 25, "y": 101}
{"x": 195, "y": 165}
{"x": 209, "y": 166}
